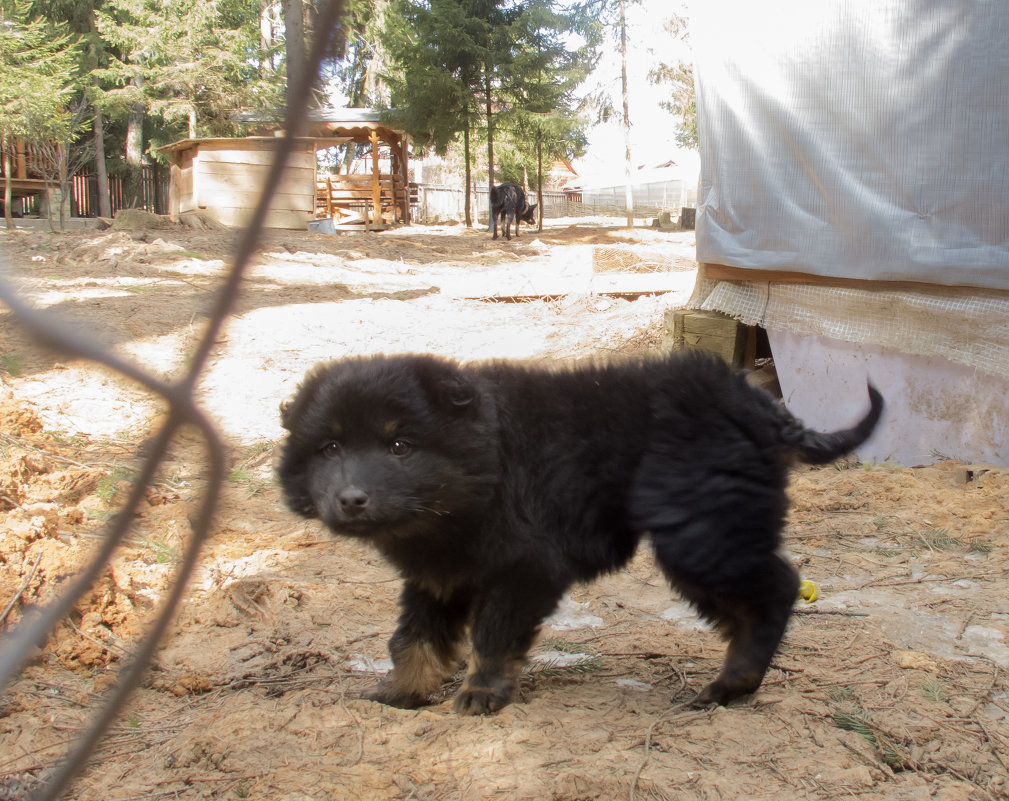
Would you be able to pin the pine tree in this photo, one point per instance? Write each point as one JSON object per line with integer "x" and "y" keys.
{"x": 38, "y": 66}
{"x": 541, "y": 113}
{"x": 93, "y": 53}
{"x": 502, "y": 71}
{"x": 440, "y": 53}
{"x": 679, "y": 76}
{"x": 189, "y": 63}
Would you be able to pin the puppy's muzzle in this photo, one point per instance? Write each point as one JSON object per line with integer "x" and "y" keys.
{"x": 353, "y": 501}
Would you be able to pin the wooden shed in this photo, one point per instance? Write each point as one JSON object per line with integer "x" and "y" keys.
{"x": 224, "y": 177}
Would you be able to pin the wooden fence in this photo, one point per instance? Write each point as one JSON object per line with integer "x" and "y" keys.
{"x": 436, "y": 204}
{"x": 441, "y": 203}
{"x": 154, "y": 193}
{"x": 31, "y": 163}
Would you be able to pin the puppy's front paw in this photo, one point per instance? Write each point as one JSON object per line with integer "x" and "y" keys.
{"x": 480, "y": 701}
{"x": 721, "y": 692}
{"x": 390, "y": 695}
{"x": 705, "y": 699}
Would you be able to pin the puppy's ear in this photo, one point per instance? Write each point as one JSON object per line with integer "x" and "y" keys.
{"x": 291, "y": 410}
{"x": 286, "y": 415}
{"x": 457, "y": 392}
{"x": 447, "y": 383}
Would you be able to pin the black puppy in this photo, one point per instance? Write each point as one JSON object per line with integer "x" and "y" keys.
{"x": 494, "y": 487}
{"x": 508, "y": 202}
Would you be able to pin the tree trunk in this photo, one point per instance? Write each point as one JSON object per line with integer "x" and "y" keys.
{"x": 539, "y": 181}
{"x": 64, "y": 186}
{"x": 374, "y": 91}
{"x": 101, "y": 176}
{"x": 468, "y": 211}
{"x": 8, "y": 194}
{"x": 266, "y": 36}
{"x": 294, "y": 43}
{"x": 134, "y": 189}
{"x": 490, "y": 144}
{"x": 628, "y": 191}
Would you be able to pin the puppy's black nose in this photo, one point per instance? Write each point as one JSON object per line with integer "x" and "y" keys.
{"x": 353, "y": 501}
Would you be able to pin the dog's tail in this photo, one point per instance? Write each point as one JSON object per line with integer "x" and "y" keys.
{"x": 816, "y": 448}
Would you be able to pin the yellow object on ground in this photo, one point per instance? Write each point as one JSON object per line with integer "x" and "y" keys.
{"x": 808, "y": 591}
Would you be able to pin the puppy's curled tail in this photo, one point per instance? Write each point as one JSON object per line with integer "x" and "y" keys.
{"x": 816, "y": 448}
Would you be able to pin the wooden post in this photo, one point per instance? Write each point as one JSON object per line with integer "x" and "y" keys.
{"x": 21, "y": 163}
{"x": 376, "y": 187}
{"x": 174, "y": 185}
{"x": 404, "y": 165}
{"x": 393, "y": 141}
{"x": 714, "y": 332}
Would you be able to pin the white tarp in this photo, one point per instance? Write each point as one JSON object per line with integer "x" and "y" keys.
{"x": 855, "y": 138}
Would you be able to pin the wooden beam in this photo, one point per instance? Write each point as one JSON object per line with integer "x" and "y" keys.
{"x": 304, "y": 159}
{"x": 20, "y": 161}
{"x": 175, "y": 188}
{"x": 721, "y": 272}
{"x": 404, "y": 166}
{"x": 214, "y": 198}
{"x": 376, "y": 188}
{"x": 713, "y": 332}
{"x": 624, "y": 294}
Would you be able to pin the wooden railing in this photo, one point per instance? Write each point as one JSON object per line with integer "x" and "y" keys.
{"x": 26, "y": 159}
{"x": 350, "y": 198}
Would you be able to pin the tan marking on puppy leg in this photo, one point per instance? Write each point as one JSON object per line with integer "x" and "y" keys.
{"x": 418, "y": 670}
{"x": 421, "y": 668}
{"x": 472, "y": 669}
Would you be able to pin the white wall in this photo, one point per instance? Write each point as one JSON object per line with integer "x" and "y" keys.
{"x": 935, "y": 408}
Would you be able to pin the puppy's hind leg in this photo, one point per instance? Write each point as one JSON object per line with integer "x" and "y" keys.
{"x": 424, "y": 648}
{"x": 749, "y": 596}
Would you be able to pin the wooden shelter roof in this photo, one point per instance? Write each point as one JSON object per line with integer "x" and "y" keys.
{"x": 186, "y": 144}
{"x": 356, "y": 124}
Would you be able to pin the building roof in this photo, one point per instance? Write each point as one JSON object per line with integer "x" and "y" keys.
{"x": 328, "y": 114}
{"x": 186, "y": 144}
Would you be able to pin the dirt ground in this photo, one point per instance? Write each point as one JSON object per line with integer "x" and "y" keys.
{"x": 894, "y": 684}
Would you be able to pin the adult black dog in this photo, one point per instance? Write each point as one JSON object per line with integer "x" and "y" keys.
{"x": 494, "y": 487}
{"x": 508, "y": 202}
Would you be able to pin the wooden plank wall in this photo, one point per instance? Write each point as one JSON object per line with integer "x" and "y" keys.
{"x": 184, "y": 180}
{"x": 228, "y": 179}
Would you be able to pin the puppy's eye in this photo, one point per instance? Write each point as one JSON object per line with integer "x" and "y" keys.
{"x": 400, "y": 447}
{"x": 330, "y": 450}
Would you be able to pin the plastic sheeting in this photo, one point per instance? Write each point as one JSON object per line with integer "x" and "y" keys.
{"x": 855, "y": 138}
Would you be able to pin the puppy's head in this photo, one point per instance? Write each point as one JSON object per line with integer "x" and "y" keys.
{"x": 388, "y": 446}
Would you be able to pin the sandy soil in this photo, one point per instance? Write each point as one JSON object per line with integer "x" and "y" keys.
{"x": 893, "y": 685}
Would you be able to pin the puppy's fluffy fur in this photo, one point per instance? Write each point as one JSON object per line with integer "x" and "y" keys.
{"x": 494, "y": 487}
